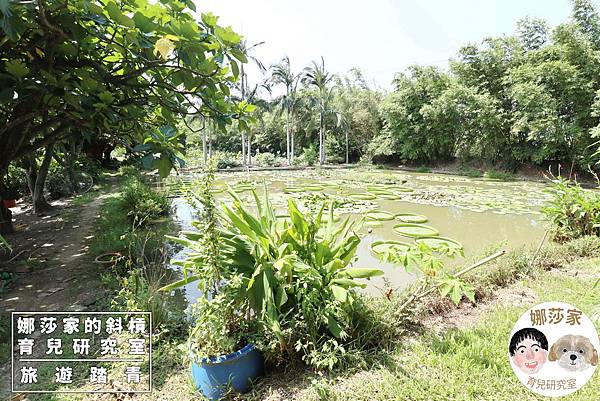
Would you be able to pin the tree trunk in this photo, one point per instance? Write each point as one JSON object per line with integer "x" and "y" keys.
{"x": 6, "y": 226}
{"x": 209, "y": 147}
{"x": 249, "y": 149}
{"x": 39, "y": 202}
{"x": 243, "y": 149}
{"x": 347, "y": 147}
{"x": 287, "y": 132}
{"x": 321, "y": 141}
{"x": 204, "y": 147}
{"x": 292, "y": 146}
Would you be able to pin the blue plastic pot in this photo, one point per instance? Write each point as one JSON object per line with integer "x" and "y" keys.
{"x": 213, "y": 376}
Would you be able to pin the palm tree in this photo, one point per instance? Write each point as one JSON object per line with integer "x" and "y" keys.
{"x": 282, "y": 74}
{"x": 317, "y": 77}
{"x": 245, "y": 90}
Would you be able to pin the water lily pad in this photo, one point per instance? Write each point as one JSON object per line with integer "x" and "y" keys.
{"x": 380, "y": 215}
{"x": 416, "y": 230}
{"x": 411, "y": 218}
{"x": 313, "y": 187}
{"x": 437, "y": 242}
{"x": 362, "y": 196}
{"x": 380, "y": 247}
{"x": 389, "y": 196}
{"x": 373, "y": 223}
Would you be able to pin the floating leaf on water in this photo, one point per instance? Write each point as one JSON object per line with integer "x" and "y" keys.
{"x": 313, "y": 188}
{"x": 362, "y": 196}
{"x": 372, "y": 223}
{"x": 380, "y": 215}
{"x": 437, "y": 242}
{"x": 289, "y": 190}
{"x": 416, "y": 230}
{"x": 389, "y": 196}
{"x": 411, "y": 218}
{"x": 403, "y": 189}
{"x": 380, "y": 247}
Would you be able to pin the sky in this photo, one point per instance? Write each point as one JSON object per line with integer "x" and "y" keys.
{"x": 380, "y": 37}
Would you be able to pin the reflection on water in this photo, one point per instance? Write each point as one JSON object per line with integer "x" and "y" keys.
{"x": 476, "y": 213}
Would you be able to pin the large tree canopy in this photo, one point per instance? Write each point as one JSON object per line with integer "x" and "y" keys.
{"x": 127, "y": 69}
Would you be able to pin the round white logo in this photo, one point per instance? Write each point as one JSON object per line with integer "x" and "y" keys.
{"x": 553, "y": 349}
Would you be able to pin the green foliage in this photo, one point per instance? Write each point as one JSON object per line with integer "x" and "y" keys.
{"x": 525, "y": 99}
{"x": 225, "y": 160}
{"x": 423, "y": 169}
{"x": 295, "y": 274}
{"x": 310, "y": 156}
{"x": 142, "y": 202}
{"x": 573, "y": 211}
{"x": 115, "y": 70}
{"x": 16, "y": 183}
{"x": 266, "y": 159}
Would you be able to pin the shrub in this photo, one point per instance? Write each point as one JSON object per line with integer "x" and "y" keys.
{"x": 470, "y": 172}
{"x": 224, "y": 160}
{"x": 423, "y": 169}
{"x": 266, "y": 159}
{"x": 310, "y": 155}
{"x": 295, "y": 276}
{"x": 15, "y": 183}
{"x": 573, "y": 211}
{"x": 141, "y": 202}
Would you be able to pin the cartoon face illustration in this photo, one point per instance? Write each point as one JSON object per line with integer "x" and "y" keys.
{"x": 573, "y": 353}
{"x": 528, "y": 349}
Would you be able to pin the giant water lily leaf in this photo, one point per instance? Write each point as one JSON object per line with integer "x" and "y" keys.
{"x": 382, "y": 247}
{"x": 436, "y": 243}
{"x": 416, "y": 230}
{"x": 380, "y": 215}
{"x": 411, "y": 218}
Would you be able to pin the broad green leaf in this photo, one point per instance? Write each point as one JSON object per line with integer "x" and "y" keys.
{"x": 360, "y": 272}
{"x": 16, "y": 68}
{"x": 340, "y": 293}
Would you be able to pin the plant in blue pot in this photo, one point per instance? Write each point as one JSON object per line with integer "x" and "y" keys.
{"x": 222, "y": 357}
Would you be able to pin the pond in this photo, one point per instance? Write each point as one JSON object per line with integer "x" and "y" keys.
{"x": 478, "y": 213}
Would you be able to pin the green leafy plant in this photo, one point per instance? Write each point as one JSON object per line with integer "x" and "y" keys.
{"x": 310, "y": 155}
{"x": 295, "y": 275}
{"x": 572, "y": 211}
{"x": 143, "y": 203}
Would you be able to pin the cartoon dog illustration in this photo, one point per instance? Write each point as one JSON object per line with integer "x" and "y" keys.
{"x": 573, "y": 353}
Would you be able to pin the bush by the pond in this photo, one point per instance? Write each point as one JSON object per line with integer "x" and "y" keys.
{"x": 310, "y": 155}
{"x": 285, "y": 285}
{"x": 266, "y": 159}
{"x": 142, "y": 202}
{"x": 225, "y": 160}
{"x": 573, "y": 211}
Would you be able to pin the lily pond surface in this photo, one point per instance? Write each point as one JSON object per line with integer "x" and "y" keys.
{"x": 397, "y": 206}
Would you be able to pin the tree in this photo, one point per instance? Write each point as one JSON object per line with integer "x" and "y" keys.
{"x": 117, "y": 68}
{"x": 281, "y": 73}
{"x": 316, "y": 76}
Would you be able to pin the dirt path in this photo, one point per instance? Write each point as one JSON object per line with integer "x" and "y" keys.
{"x": 56, "y": 272}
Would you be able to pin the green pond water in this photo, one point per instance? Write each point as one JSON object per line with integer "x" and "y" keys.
{"x": 478, "y": 213}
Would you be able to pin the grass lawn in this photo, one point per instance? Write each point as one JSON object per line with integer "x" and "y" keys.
{"x": 468, "y": 363}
